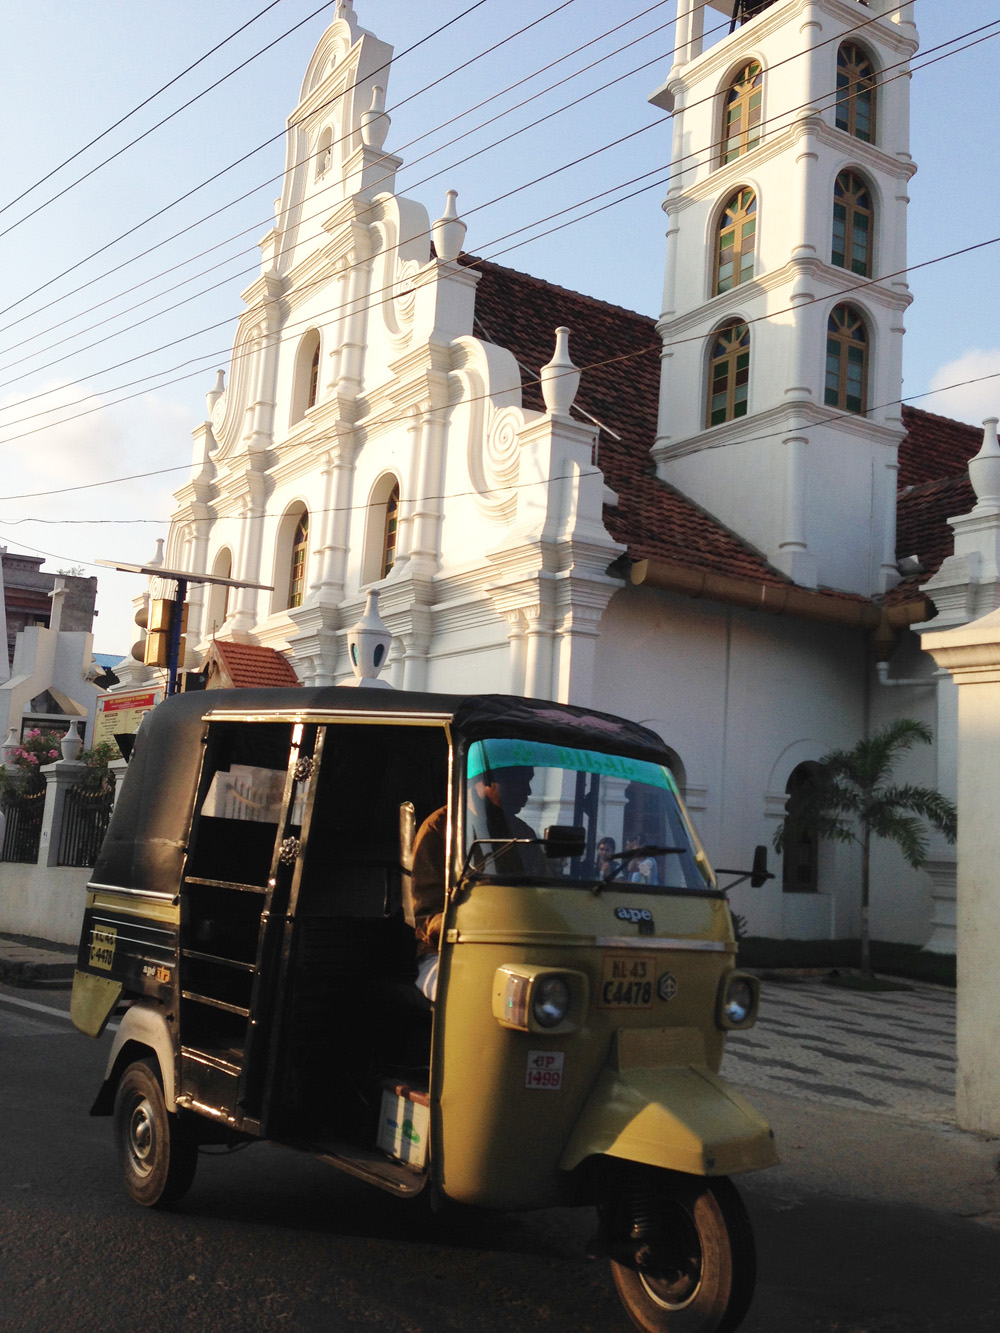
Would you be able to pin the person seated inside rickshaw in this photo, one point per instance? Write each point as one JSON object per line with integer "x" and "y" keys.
{"x": 494, "y": 800}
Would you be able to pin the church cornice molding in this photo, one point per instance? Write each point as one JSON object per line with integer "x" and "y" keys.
{"x": 794, "y": 418}
{"x": 737, "y": 303}
{"x": 745, "y": 43}
{"x": 724, "y": 180}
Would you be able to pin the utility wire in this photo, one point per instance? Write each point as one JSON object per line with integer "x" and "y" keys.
{"x": 187, "y": 195}
{"x": 273, "y": 179}
{"x": 290, "y": 330}
{"x": 319, "y": 213}
{"x": 146, "y": 101}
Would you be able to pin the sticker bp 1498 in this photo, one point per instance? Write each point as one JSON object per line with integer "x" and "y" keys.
{"x": 544, "y": 1071}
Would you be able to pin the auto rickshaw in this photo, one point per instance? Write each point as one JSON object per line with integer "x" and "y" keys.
{"x": 250, "y": 921}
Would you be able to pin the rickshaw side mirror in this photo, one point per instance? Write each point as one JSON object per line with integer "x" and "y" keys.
{"x": 565, "y": 840}
{"x": 760, "y": 873}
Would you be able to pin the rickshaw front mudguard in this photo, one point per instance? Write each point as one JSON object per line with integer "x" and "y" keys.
{"x": 681, "y": 1118}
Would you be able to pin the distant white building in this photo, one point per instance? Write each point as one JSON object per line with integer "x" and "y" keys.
{"x": 725, "y": 531}
{"x": 47, "y": 668}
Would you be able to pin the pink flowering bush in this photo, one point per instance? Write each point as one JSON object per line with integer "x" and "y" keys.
{"x": 22, "y": 774}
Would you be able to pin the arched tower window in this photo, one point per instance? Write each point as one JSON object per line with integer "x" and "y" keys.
{"x": 853, "y": 224}
{"x": 305, "y": 381}
{"x": 741, "y": 113}
{"x": 297, "y": 564}
{"x": 855, "y": 92}
{"x": 737, "y": 233}
{"x": 846, "y": 360}
{"x": 800, "y": 853}
{"x": 728, "y": 374}
{"x": 390, "y": 529}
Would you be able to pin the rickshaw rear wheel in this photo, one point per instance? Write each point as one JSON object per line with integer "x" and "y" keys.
{"x": 691, "y": 1265}
{"x": 158, "y": 1158}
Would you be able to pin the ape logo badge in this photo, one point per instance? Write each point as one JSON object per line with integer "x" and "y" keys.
{"x": 633, "y": 914}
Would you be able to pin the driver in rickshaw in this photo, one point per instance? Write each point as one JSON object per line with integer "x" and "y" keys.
{"x": 495, "y": 798}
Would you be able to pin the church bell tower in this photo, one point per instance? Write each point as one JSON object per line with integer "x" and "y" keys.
{"x": 785, "y": 284}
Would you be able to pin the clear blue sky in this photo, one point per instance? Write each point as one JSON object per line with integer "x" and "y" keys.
{"x": 72, "y": 69}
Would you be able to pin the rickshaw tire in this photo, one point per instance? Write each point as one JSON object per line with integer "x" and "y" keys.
{"x": 710, "y": 1212}
{"x": 158, "y": 1156}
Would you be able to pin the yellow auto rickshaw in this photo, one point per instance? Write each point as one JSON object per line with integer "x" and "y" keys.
{"x": 250, "y": 919}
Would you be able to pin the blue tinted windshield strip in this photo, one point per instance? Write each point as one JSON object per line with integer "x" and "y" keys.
{"x": 489, "y": 755}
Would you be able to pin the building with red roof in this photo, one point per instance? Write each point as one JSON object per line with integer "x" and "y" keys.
{"x": 721, "y": 523}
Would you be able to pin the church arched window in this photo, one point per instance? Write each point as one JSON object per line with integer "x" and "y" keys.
{"x": 219, "y": 595}
{"x": 856, "y": 83}
{"x": 381, "y": 529}
{"x": 305, "y": 378}
{"x": 846, "y": 360}
{"x": 741, "y": 112}
{"x": 853, "y": 224}
{"x": 297, "y": 563}
{"x": 736, "y": 237}
{"x": 728, "y": 373}
{"x": 800, "y": 843}
{"x": 389, "y": 530}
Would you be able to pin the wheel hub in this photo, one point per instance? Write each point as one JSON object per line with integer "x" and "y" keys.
{"x": 142, "y": 1137}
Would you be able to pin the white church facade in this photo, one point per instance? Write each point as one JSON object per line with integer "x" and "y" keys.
{"x": 701, "y": 528}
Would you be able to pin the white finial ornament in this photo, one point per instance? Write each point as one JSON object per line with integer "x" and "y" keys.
{"x": 560, "y": 378}
{"x": 368, "y": 646}
{"x": 374, "y": 122}
{"x": 449, "y": 231}
{"x": 215, "y": 393}
{"x": 984, "y": 469}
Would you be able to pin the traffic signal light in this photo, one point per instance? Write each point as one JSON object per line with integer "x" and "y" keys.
{"x": 160, "y": 632}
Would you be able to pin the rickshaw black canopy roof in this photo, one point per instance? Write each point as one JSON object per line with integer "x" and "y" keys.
{"x": 146, "y": 841}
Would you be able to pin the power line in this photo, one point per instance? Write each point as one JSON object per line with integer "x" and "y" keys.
{"x": 290, "y": 329}
{"x": 145, "y": 102}
{"x": 273, "y": 179}
{"x": 187, "y": 195}
{"x": 408, "y": 166}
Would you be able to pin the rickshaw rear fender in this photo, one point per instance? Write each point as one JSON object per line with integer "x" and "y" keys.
{"x": 682, "y": 1118}
{"x": 143, "y": 1031}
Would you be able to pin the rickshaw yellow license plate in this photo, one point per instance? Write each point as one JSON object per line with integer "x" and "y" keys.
{"x": 627, "y": 981}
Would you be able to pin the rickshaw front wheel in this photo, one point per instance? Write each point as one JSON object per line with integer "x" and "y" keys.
{"x": 158, "y": 1159}
{"x": 691, "y": 1263}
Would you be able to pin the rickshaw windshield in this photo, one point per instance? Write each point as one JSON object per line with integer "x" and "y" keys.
{"x": 635, "y": 828}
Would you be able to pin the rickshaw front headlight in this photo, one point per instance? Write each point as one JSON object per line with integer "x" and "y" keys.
{"x": 739, "y": 997}
{"x": 533, "y": 998}
{"x": 550, "y": 1001}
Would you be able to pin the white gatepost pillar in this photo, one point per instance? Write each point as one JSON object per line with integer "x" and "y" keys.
{"x": 972, "y": 655}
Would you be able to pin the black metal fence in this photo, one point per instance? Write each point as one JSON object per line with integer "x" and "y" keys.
{"x": 85, "y": 821}
{"x": 22, "y": 825}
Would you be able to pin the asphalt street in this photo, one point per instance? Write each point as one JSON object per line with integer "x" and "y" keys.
{"x": 883, "y": 1217}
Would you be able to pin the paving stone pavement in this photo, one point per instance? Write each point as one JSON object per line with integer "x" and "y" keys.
{"x": 890, "y": 1052}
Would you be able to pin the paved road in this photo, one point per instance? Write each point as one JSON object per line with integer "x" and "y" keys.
{"x": 883, "y": 1218}
{"x": 891, "y": 1052}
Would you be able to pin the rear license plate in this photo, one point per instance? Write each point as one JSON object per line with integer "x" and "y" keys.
{"x": 626, "y": 981}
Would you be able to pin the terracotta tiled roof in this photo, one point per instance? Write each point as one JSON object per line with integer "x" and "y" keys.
{"x": 620, "y": 387}
{"x": 935, "y": 447}
{"x": 243, "y": 665}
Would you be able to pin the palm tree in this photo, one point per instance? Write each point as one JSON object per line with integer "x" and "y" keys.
{"x": 853, "y": 799}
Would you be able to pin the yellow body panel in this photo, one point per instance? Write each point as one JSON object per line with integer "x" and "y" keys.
{"x": 632, "y": 1082}
{"x": 684, "y": 1119}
